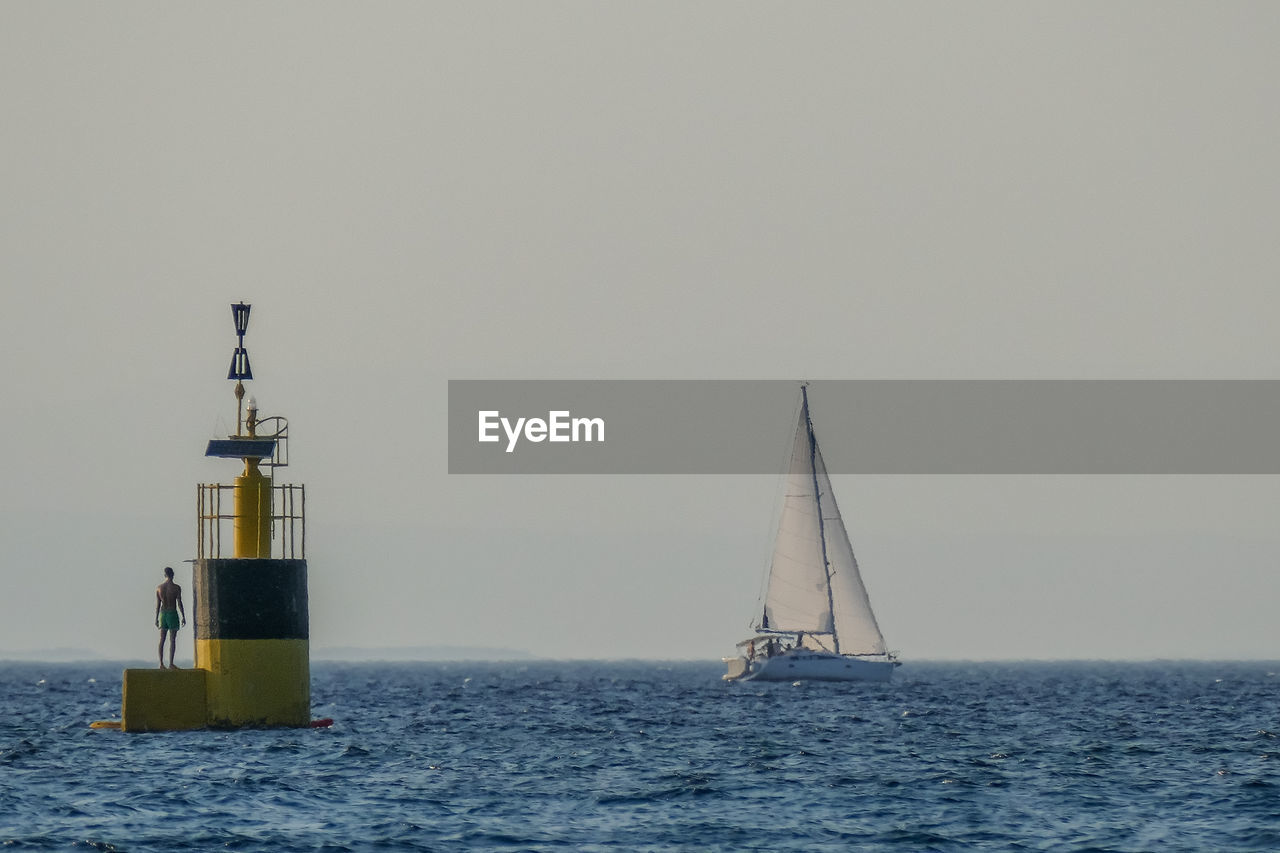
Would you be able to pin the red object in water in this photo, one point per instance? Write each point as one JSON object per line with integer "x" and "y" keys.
{"x": 322, "y": 724}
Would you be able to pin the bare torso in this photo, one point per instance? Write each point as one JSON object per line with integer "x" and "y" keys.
{"x": 169, "y": 594}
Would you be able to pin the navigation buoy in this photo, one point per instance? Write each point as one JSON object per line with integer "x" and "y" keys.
{"x": 252, "y": 646}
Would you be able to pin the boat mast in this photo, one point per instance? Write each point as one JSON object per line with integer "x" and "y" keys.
{"x": 822, "y": 528}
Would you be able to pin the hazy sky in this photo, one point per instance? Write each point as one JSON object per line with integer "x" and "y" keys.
{"x": 412, "y": 192}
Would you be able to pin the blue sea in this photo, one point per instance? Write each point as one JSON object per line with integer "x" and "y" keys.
{"x": 660, "y": 756}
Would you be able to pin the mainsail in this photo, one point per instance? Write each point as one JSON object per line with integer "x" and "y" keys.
{"x": 815, "y": 588}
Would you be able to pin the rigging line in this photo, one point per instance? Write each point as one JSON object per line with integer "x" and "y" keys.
{"x": 780, "y": 503}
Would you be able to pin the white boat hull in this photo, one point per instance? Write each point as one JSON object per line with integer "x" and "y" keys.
{"x": 810, "y": 666}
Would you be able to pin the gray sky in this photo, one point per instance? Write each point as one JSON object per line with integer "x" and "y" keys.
{"x": 409, "y": 193}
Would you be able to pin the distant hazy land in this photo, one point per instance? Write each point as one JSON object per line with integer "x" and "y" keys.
{"x": 331, "y": 653}
{"x": 416, "y": 653}
{"x": 58, "y": 655}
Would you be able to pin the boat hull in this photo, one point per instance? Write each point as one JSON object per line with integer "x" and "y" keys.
{"x": 809, "y": 666}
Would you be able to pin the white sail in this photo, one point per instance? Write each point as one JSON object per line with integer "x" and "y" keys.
{"x": 797, "y": 597}
{"x": 855, "y": 624}
{"x": 814, "y": 587}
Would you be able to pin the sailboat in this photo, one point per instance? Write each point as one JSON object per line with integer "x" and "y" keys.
{"x": 816, "y": 622}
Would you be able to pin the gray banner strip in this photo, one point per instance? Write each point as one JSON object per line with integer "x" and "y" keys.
{"x": 866, "y": 426}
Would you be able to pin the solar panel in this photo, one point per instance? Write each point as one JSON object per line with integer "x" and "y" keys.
{"x": 241, "y": 448}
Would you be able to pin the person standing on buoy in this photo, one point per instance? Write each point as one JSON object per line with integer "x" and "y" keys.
{"x": 168, "y": 608}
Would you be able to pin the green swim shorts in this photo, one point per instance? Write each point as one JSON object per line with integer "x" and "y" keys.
{"x": 169, "y": 620}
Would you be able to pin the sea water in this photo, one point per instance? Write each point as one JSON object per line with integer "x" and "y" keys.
{"x": 660, "y": 756}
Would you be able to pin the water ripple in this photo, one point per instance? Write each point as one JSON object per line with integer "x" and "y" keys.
{"x": 642, "y": 756}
